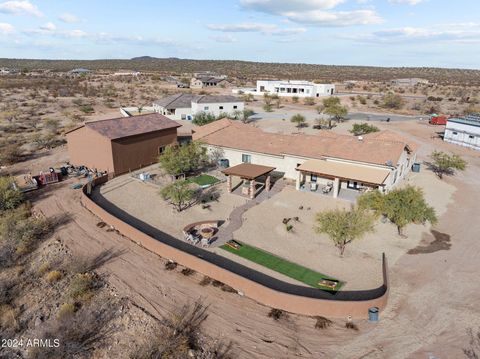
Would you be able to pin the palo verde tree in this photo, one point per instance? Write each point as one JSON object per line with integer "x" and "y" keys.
{"x": 344, "y": 226}
{"x": 298, "y": 120}
{"x": 176, "y": 160}
{"x": 179, "y": 193}
{"x": 332, "y": 107}
{"x": 10, "y": 196}
{"x": 359, "y": 129}
{"x": 445, "y": 164}
{"x": 400, "y": 206}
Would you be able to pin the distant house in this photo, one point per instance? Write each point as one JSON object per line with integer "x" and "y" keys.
{"x": 79, "y": 71}
{"x": 464, "y": 131}
{"x": 7, "y": 71}
{"x": 122, "y": 144}
{"x": 202, "y": 82}
{"x": 127, "y": 73}
{"x": 185, "y": 106}
{"x": 409, "y": 81}
{"x": 352, "y": 163}
{"x": 290, "y": 88}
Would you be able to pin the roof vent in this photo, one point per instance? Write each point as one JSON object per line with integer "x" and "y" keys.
{"x": 389, "y": 163}
{"x": 360, "y": 138}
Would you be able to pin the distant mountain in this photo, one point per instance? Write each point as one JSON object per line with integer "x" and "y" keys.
{"x": 143, "y": 58}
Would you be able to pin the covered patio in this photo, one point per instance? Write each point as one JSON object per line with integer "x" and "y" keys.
{"x": 332, "y": 178}
{"x": 250, "y": 175}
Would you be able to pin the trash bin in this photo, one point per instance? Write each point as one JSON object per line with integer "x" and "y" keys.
{"x": 373, "y": 314}
{"x": 416, "y": 167}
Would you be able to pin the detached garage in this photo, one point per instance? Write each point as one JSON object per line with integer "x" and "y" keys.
{"x": 122, "y": 144}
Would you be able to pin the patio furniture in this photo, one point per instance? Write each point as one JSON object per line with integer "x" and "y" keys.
{"x": 205, "y": 242}
{"x": 233, "y": 244}
{"x": 313, "y": 186}
{"x": 327, "y": 188}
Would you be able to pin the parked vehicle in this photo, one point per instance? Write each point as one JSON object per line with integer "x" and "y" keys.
{"x": 438, "y": 120}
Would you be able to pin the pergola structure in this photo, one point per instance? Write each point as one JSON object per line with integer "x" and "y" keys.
{"x": 248, "y": 172}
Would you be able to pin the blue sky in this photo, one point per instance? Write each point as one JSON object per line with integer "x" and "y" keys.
{"x": 439, "y": 33}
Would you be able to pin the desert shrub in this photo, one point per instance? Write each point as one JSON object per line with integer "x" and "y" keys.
{"x": 84, "y": 264}
{"x": 295, "y": 99}
{"x": 309, "y": 101}
{"x": 54, "y": 276}
{"x": 276, "y": 314}
{"x": 10, "y": 154}
{"x": 170, "y": 265}
{"x": 66, "y": 311}
{"x": 87, "y": 109}
{"x": 362, "y": 100}
{"x": 10, "y": 197}
{"x": 187, "y": 271}
{"x": 205, "y": 281}
{"x": 351, "y": 325}
{"x": 267, "y": 107}
{"x": 177, "y": 337}
{"x": 217, "y": 283}
{"x": 392, "y": 101}
{"x": 82, "y": 286}
{"x": 228, "y": 289}
{"x": 43, "y": 268}
{"x": 322, "y": 322}
{"x": 8, "y": 317}
{"x": 79, "y": 334}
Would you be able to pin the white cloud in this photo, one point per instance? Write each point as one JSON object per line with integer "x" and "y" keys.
{"x": 278, "y": 7}
{"x": 438, "y": 33}
{"x": 49, "y": 26}
{"x": 68, "y": 18}
{"x": 6, "y": 28}
{"x": 20, "y": 8}
{"x": 409, "y": 2}
{"x": 335, "y": 18}
{"x": 314, "y": 12}
{"x": 267, "y": 29}
{"x": 227, "y": 38}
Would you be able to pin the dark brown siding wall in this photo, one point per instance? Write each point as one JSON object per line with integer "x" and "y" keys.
{"x": 88, "y": 148}
{"x": 134, "y": 152}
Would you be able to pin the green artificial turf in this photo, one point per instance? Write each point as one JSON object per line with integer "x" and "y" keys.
{"x": 204, "y": 180}
{"x": 280, "y": 265}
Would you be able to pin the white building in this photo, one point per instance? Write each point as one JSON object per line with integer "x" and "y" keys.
{"x": 464, "y": 131}
{"x": 293, "y": 88}
{"x": 350, "y": 163}
{"x": 184, "y": 106}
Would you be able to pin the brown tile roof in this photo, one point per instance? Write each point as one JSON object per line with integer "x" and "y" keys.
{"x": 233, "y": 134}
{"x": 130, "y": 126}
{"x": 388, "y": 135}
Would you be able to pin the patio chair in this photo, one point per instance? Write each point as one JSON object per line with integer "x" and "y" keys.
{"x": 313, "y": 186}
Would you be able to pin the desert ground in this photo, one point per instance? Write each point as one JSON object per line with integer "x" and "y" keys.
{"x": 432, "y": 298}
{"x": 434, "y": 284}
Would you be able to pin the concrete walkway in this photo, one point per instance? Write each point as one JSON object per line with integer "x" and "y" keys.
{"x": 235, "y": 219}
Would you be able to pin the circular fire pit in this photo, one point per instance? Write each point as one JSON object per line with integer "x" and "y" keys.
{"x": 207, "y": 232}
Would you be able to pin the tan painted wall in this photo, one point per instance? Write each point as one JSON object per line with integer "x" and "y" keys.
{"x": 88, "y": 148}
{"x": 260, "y": 293}
{"x": 135, "y": 152}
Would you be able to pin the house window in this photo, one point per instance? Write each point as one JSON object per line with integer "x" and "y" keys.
{"x": 455, "y": 133}
{"x": 161, "y": 149}
{"x": 471, "y": 137}
{"x": 294, "y": 90}
{"x": 246, "y": 158}
{"x": 313, "y": 178}
{"x": 235, "y": 107}
{"x": 205, "y": 108}
{"x": 220, "y": 107}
